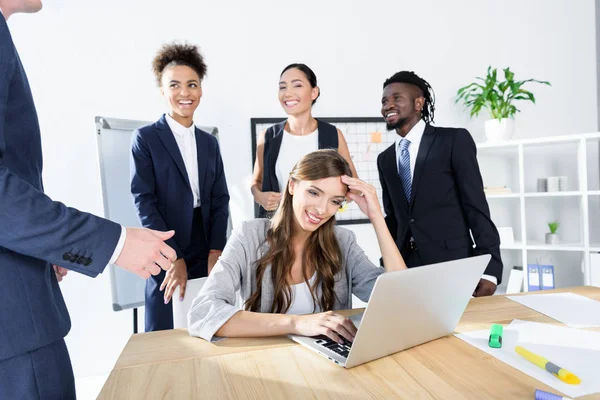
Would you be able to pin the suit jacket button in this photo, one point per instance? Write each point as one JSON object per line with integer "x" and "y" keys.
{"x": 67, "y": 256}
{"x": 74, "y": 258}
{"x": 87, "y": 261}
{"x": 80, "y": 260}
{"x": 411, "y": 221}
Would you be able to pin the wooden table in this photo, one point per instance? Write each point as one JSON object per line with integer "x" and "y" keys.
{"x": 173, "y": 365}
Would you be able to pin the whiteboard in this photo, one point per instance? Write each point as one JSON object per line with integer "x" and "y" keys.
{"x": 114, "y": 147}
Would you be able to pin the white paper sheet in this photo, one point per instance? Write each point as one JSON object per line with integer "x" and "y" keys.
{"x": 569, "y": 308}
{"x": 575, "y": 350}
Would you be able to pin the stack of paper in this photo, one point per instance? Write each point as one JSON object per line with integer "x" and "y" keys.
{"x": 569, "y": 308}
{"x": 575, "y": 350}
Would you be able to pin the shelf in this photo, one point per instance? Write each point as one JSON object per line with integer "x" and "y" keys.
{"x": 541, "y": 194}
{"x": 503, "y": 196}
{"x": 542, "y": 140}
{"x": 553, "y": 194}
{"x": 556, "y": 247}
{"x": 519, "y": 164}
{"x": 514, "y": 246}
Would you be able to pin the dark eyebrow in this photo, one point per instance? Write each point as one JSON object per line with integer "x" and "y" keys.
{"x": 297, "y": 80}
{"x": 320, "y": 191}
{"x": 174, "y": 81}
{"x": 317, "y": 189}
{"x": 192, "y": 80}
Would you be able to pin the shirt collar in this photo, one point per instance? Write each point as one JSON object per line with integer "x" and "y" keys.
{"x": 177, "y": 128}
{"x": 414, "y": 135}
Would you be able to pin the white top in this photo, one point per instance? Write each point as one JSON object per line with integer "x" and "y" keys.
{"x": 414, "y": 135}
{"x": 302, "y": 301}
{"x": 293, "y": 148}
{"x": 186, "y": 141}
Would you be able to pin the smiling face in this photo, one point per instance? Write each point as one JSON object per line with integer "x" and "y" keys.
{"x": 295, "y": 92}
{"x": 181, "y": 87}
{"x": 401, "y": 105}
{"x": 315, "y": 202}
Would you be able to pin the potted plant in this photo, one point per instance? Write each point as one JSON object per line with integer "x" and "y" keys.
{"x": 552, "y": 237}
{"x": 497, "y": 96}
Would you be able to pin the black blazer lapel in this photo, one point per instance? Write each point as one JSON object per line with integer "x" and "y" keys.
{"x": 202, "y": 156}
{"x": 166, "y": 136}
{"x": 424, "y": 147}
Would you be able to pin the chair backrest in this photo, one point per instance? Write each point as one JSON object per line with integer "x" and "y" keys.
{"x": 181, "y": 308}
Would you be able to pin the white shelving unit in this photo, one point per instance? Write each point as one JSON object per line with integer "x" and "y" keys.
{"x": 518, "y": 164}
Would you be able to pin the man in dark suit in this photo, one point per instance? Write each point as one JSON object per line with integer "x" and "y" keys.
{"x": 36, "y": 232}
{"x": 432, "y": 188}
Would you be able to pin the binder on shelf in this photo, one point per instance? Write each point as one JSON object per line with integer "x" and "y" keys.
{"x": 515, "y": 280}
{"x": 533, "y": 277}
{"x": 547, "y": 272}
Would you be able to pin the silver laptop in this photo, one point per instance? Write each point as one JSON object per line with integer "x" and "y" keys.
{"x": 406, "y": 308}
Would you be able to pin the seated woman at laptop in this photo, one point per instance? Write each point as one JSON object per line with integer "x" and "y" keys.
{"x": 293, "y": 270}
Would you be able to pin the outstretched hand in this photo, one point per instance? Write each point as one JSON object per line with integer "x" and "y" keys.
{"x": 145, "y": 252}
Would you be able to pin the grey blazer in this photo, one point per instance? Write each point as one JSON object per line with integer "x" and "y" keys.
{"x": 236, "y": 270}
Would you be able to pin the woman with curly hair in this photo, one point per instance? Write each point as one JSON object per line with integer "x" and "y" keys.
{"x": 178, "y": 182}
{"x": 294, "y": 269}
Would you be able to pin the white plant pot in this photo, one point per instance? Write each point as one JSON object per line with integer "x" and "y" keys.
{"x": 499, "y": 130}
{"x": 551, "y": 238}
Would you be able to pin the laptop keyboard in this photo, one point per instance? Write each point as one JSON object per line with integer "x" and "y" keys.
{"x": 341, "y": 349}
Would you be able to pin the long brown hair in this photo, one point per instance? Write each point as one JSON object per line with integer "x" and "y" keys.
{"x": 321, "y": 252}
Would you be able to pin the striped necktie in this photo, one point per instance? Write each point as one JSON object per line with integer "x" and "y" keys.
{"x": 404, "y": 167}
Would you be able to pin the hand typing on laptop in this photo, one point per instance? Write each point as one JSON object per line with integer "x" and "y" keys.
{"x": 330, "y": 324}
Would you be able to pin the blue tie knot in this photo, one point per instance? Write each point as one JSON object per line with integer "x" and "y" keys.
{"x": 404, "y": 143}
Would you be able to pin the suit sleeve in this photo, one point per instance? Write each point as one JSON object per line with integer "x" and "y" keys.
{"x": 390, "y": 219}
{"x": 30, "y": 222}
{"x": 470, "y": 188}
{"x": 219, "y": 205}
{"x": 143, "y": 188}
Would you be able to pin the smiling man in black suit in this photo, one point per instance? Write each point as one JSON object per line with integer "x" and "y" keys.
{"x": 432, "y": 187}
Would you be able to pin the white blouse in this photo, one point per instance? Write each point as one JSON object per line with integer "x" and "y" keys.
{"x": 293, "y": 148}
{"x": 302, "y": 301}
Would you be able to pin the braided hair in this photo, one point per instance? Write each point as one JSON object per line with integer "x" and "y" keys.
{"x": 413, "y": 79}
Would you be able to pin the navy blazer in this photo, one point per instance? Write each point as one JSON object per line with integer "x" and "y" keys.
{"x": 35, "y": 231}
{"x": 161, "y": 189}
{"x": 447, "y": 200}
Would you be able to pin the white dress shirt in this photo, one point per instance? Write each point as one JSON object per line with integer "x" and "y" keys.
{"x": 186, "y": 141}
{"x": 415, "y": 135}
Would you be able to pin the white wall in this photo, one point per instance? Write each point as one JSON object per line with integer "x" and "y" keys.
{"x": 94, "y": 59}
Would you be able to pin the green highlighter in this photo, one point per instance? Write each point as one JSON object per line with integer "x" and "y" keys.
{"x": 495, "y": 340}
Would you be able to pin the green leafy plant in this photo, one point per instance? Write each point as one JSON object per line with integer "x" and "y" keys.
{"x": 495, "y": 95}
{"x": 553, "y": 226}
